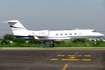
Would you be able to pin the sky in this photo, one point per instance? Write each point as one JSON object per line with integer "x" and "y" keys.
{"x": 53, "y": 14}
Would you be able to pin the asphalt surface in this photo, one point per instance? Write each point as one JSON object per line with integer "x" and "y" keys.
{"x": 52, "y": 59}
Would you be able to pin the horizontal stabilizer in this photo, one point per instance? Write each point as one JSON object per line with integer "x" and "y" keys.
{"x": 11, "y": 21}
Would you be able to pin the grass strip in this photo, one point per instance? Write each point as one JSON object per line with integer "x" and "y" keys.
{"x": 55, "y": 48}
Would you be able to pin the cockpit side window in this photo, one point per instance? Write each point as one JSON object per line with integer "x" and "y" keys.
{"x": 94, "y": 31}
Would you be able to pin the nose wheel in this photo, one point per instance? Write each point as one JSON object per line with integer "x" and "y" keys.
{"x": 95, "y": 41}
{"x": 51, "y": 43}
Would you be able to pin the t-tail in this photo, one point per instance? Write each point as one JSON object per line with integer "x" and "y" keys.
{"x": 18, "y": 29}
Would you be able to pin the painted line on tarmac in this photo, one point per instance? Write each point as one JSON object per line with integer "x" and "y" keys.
{"x": 76, "y": 52}
{"x": 79, "y": 55}
{"x": 87, "y": 55}
{"x": 70, "y": 59}
{"x": 71, "y": 55}
{"x": 60, "y": 55}
{"x": 74, "y": 55}
{"x": 65, "y": 67}
{"x": 54, "y": 59}
{"x": 86, "y": 59}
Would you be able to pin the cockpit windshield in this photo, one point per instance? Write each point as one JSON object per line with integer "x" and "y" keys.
{"x": 94, "y": 31}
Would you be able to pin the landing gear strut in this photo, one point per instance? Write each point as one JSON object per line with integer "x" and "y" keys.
{"x": 95, "y": 41}
{"x": 51, "y": 43}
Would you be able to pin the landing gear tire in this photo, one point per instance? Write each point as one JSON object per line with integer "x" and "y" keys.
{"x": 52, "y": 45}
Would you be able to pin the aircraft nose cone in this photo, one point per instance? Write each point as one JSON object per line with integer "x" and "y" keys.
{"x": 102, "y": 35}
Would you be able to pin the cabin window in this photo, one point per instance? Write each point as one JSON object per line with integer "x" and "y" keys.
{"x": 75, "y": 33}
{"x": 70, "y": 33}
{"x": 66, "y": 34}
{"x": 61, "y": 34}
{"x": 56, "y": 34}
{"x": 94, "y": 31}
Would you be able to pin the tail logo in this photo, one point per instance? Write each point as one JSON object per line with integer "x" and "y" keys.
{"x": 15, "y": 27}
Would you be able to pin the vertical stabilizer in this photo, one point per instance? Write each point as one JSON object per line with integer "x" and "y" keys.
{"x": 17, "y": 28}
{"x": 15, "y": 24}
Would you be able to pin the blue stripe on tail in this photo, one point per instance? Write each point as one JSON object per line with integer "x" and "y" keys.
{"x": 15, "y": 27}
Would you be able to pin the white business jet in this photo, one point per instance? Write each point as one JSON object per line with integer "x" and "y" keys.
{"x": 46, "y": 35}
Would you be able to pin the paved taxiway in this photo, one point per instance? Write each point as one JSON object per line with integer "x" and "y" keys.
{"x": 52, "y": 59}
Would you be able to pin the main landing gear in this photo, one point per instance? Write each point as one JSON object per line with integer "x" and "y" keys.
{"x": 51, "y": 43}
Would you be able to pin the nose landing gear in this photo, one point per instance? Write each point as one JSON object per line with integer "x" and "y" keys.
{"x": 95, "y": 41}
{"x": 51, "y": 43}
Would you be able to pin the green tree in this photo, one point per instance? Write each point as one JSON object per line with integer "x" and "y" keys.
{"x": 19, "y": 40}
{"x": 8, "y": 37}
{"x": 2, "y": 41}
{"x": 34, "y": 42}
